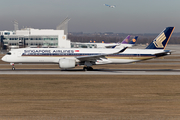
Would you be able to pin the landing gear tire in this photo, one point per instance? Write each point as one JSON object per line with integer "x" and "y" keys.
{"x": 13, "y": 68}
{"x": 88, "y": 69}
{"x": 84, "y": 68}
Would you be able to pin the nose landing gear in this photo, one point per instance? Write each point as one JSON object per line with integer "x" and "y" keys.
{"x": 13, "y": 68}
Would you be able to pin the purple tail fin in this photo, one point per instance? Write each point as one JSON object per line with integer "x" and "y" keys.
{"x": 126, "y": 40}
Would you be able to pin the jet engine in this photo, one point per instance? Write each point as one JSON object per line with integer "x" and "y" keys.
{"x": 67, "y": 63}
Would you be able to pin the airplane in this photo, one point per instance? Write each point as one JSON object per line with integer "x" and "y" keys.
{"x": 112, "y": 45}
{"x": 111, "y": 6}
{"x": 125, "y": 43}
{"x": 107, "y": 45}
{"x": 72, "y": 57}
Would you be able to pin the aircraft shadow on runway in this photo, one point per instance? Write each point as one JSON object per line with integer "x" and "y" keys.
{"x": 100, "y": 70}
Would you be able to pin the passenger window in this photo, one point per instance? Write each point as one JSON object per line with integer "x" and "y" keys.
{"x": 8, "y": 53}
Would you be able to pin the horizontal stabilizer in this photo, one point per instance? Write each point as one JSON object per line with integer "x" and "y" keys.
{"x": 164, "y": 53}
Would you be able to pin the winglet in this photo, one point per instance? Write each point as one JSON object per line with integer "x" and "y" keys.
{"x": 160, "y": 42}
{"x": 122, "y": 50}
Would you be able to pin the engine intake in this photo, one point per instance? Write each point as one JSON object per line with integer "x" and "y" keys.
{"x": 67, "y": 63}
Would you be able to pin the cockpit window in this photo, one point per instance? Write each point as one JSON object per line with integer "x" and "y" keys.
{"x": 8, "y": 53}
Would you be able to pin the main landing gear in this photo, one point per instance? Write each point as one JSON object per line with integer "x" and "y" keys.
{"x": 87, "y": 68}
{"x": 13, "y": 68}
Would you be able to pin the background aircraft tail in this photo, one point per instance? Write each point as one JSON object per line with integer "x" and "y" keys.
{"x": 162, "y": 39}
{"x": 126, "y": 40}
{"x": 133, "y": 41}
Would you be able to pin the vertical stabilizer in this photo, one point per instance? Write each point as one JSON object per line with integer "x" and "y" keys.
{"x": 126, "y": 40}
{"x": 162, "y": 39}
{"x": 133, "y": 41}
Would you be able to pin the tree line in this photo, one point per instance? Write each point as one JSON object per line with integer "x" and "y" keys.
{"x": 142, "y": 39}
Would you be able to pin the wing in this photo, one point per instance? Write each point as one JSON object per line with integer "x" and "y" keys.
{"x": 97, "y": 57}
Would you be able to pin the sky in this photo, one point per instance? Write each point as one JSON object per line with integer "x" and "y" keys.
{"x": 89, "y": 16}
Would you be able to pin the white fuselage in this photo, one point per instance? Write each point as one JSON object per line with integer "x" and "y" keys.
{"x": 53, "y": 55}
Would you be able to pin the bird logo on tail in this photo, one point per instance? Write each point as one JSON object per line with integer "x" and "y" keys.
{"x": 158, "y": 42}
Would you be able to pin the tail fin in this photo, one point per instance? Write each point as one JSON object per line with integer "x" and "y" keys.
{"x": 162, "y": 39}
{"x": 126, "y": 40}
{"x": 133, "y": 41}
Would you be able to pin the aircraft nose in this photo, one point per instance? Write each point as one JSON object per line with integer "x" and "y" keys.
{"x": 3, "y": 58}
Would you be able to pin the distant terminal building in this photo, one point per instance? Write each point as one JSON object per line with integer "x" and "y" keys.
{"x": 30, "y": 37}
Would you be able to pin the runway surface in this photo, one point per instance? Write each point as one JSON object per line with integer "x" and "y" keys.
{"x": 95, "y": 72}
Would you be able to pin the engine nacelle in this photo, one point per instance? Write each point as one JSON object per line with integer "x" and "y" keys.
{"x": 67, "y": 63}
